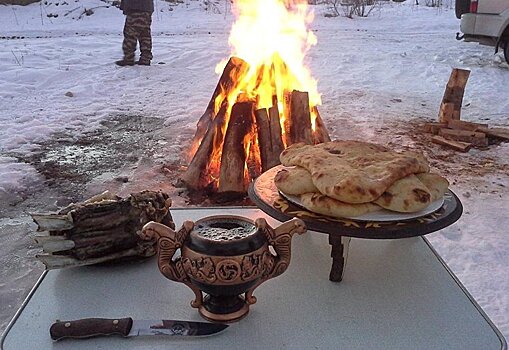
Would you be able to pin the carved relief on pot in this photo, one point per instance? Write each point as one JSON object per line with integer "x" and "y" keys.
{"x": 227, "y": 270}
{"x": 202, "y": 269}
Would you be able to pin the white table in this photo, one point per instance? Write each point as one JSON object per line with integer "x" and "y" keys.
{"x": 395, "y": 294}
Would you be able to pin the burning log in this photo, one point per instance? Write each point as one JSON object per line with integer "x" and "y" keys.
{"x": 233, "y": 158}
{"x": 264, "y": 139}
{"x": 300, "y": 116}
{"x": 196, "y": 176}
{"x": 235, "y": 70}
{"x": 276, "y": 136}
{"x": 321, "y": 134}
{"x": 287, "y": 99}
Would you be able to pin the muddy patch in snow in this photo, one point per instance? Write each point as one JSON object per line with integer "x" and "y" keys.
{"x": 127, "y": 154}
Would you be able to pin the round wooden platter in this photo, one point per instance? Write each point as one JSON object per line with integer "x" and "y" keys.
{"x": 264, "y": 194}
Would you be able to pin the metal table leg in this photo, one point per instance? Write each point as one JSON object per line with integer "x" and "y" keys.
{"x": 339, "y": 254}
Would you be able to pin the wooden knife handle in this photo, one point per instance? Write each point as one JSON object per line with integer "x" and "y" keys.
{"x": 90, "y": 327}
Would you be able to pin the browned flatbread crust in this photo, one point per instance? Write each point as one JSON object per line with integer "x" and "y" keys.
{"x": 321, "y": 204}
{"x": 353, "y": 171}
{"x": 406, "y": 195}
{"x": 436, "y": 184}
{"x": 294, "y": 181}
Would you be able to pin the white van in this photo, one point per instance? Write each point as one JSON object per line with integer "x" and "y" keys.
{"x": 486, "y": 22}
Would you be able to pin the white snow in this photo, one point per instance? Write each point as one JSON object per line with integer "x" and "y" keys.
{"x": 391, "y": 66}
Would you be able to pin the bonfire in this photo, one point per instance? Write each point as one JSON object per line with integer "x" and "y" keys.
{"x": 266, "y": 98}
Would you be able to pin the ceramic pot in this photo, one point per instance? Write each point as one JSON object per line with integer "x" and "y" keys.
{"x": 226, "y": 257}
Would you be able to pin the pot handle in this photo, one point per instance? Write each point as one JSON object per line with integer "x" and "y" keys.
{"x": 280, "y": 239}
{"x": 168, "y": 242}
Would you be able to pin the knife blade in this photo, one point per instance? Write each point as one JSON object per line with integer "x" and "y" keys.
{"x": 127, "y": 327}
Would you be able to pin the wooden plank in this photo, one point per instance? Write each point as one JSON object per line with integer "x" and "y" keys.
{"x": 473, "y": 137}
{"x": 463, "y": 125}
{"x": 456, "y": 145}
{"x": 434, "y": 128}
{"x": 501, "y": 133}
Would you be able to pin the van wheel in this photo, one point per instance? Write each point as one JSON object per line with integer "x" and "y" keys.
{"x": 462, "y": 6}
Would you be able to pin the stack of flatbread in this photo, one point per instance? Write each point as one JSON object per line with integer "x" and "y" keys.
{"x": 352, "y": 178}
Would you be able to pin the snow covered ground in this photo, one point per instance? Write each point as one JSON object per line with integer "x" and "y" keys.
{"x": 380, "y": 77}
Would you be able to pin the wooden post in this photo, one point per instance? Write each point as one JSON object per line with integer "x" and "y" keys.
{"x": 233, "y": 158}
{"x": 453, "y": 95}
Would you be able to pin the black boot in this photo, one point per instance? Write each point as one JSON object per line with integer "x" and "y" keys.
{"x": 124, "y": 62}
{"x": 143, "y": 62}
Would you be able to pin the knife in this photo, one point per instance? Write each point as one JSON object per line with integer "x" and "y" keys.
{"x": 127, "y": 327}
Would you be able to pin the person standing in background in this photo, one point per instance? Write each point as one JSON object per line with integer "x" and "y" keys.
{"x": 137, "y": 29}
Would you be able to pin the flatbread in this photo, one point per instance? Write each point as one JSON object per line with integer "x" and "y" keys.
{"x": 353, "y": 171}
{"x": 294, "y": 181}
{"x": 321, "y": 204}
{"x": 436, "y": 184}
{"x": 406, "y": 195}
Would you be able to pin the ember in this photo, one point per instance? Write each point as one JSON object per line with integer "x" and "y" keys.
{"x": 263, "y": 102}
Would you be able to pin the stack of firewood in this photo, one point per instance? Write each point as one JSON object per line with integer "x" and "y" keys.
{"x": 454, "y": 133}
{"x": 101, "y": 229}
{"x": 461, "y": 135}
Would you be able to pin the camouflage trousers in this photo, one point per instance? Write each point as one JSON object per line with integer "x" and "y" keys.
{"x": 137, "y": 28}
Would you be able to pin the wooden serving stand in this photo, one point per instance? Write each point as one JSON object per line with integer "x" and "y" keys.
{"x": 264, "y": 194}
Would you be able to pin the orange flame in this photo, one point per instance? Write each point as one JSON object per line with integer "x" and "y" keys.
{"x": 273, "y": 37}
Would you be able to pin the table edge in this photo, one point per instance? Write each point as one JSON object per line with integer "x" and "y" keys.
{"x": 22, "y": 307}
{"x": 503, "y": 342}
